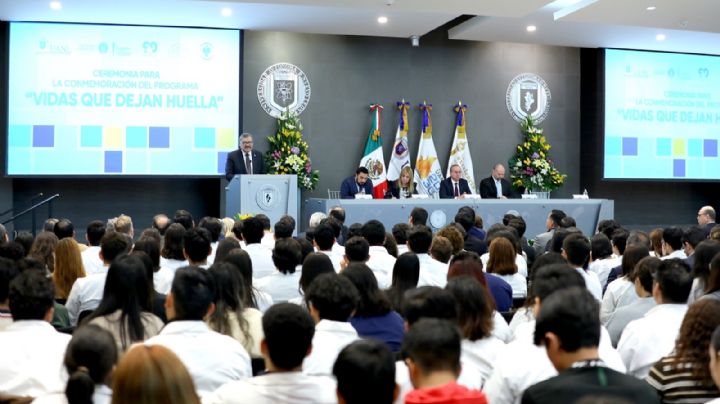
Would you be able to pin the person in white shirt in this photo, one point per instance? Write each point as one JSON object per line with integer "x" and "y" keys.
{"x": 282, "y": 285}
{"x": 91, "y": 256}
{"x": 576, "y": 250}
{"x": 357, "y": 249}
{"x": 502, "y": 263}
{"x": 87, "y": 292}
{"x": 601, "y": 257}
{"x": 714, "y": 351}
{"x": 371, "y": 362}
{"x": 644, "y": 341}
{"x": 621, "y": 291}
{"x": 268, "y": 238}
{"x": 197, "y": 247}
{"x": 672, "y": 246}
{"x": 214, "y": 227}
{"x": 288, "y": 331}
{"x": 323, "y": 241}
{"x": 380, "y": 261}
{"x": 260, "y": 255}
{"x": 400, "y": 232}
{"x": 31, "y": 351}
{"x": 172, "y": 256}
{"x": 212, "y": 359}
{"x": 432, "y": 272}
{"x": 332, "y": 299}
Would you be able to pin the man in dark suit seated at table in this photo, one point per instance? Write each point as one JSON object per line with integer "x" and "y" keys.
{"x": 360, "y": 183}
{"x": 244, "y": 160}
{"x": 489, "y": 186}
{"x": 454, "y": 187}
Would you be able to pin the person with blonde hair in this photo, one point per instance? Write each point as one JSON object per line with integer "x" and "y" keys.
{"x": 152, "y": 374}
{"x": 403, "y": 187}
{"x": 68, "y": 267}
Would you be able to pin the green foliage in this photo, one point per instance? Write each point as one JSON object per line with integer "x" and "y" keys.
{"x": 531, "y": 166}
{"x": 288, "y": 152}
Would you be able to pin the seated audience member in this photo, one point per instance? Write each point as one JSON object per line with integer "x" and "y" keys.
{"x": 225, "y": 246}
{"x": 331, "y": 300}
{"x": 31, "y": 351}
{"x": 157, "y": 305}
{"x": 646, "y": 340}
{"x": 441, "y": 249}
{"x": 68, "y": 268}
{"x": 712, "y": 290}
{"x": 465, "y": 217}
{"x": 64, "y": 228}
{"x": 541, "y": 241}
{"x": 172, "y": 256}
{"x": 502, "y": 263}
{"x": 268, "y": 239}
{"x": 406, "y": 273}
{"x": 125, "y": 309}
{"x": 672, "y": 244}
{"x": 601, "y": 257}
{"x": 284, "y": 228}
{"x": 522, "y": 363}
{"x": 510, "y": 234}
{"x": 314, "y": 265}
{"x": 261, "y": 256}
{"x": 526, "y": 313}
{"x": 373, "y": 363}
{"x": 91, "y": 256}
{"x": 43, "y": 249}
{"x": 161, "y": 277}
{"x": 230, "y": 316}
{"x": 87, "y": 292}
{"x": 432, "y": 272}
{"x": 160, "y": 223}
{"x": 455, "y": 236}
{"x": 8, "y": 272}
{"x": 714, "y": 365}
{"x": 25, "y": 239}
{"x": 324, "y": 240}
{"x": 373, "y": 317}
{"x": 706, "y": 219}
{"x": 418, "y": 216}
{"x": 357, "y": 250}
{"x": 288, "y": 331}
{"x": 690, "y": 239}
{"x": 282, "y": 285}
{"x": 431, "y": 350}
{"x": 400, "y": 232}
{"x": 621, "y": 240}
{"x": 211, "y": 358}
{"x": 184, "y": 218}
{"x": 703, "y": 256}
{"x": 197, "y": 247}
{"x": 683, "y": 376}
{"x": 621, "y": 291}
{"x": 576, "y": 250}
{"x": 358, "y": 184}
{"x": 475, "y": 318}
{"x": 642, "y": 279}
{"x": 380, "y": 261}
{"x": 518, "y": 223}
{"x": 150, "y": 374}
{"x": 252, "y": 297}
{"x": 214, "y": 226}
{"x": 469, "y": 263}
{"x": 715, "y": 233}
{"x": 89, "y": 360}
{"x": 391, "y": 245}
{"x": 338, "y": 227}
{"x": 568, "y": 326}
{"x": 655, "y": 236}
{"x": 337, "y": 213}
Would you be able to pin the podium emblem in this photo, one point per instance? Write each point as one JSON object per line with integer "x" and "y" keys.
{"x": 283, "y": 86}
{"x": 267, "y": 197}
{"x": 528, "y": 95}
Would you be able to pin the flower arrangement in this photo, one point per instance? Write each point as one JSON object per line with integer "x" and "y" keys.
{"x": 242, "y": 216}
{"x": 531, "y": 167}
{"x": 288, "y": 152}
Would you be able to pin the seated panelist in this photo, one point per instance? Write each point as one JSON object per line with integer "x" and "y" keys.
{"x": 454, "y": 187}
{"x": 403, "y": 187}
{"x": 360, "y": 183}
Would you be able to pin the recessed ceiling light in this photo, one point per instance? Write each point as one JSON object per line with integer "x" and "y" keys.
{"x": 660, "y": 37}
{"x": 226, "y": 11}
{"x": 55, "y": 5}
{"x": 382, "y": 20}
{"x": 651, "y": 8}
{"x": 531, "y": 28}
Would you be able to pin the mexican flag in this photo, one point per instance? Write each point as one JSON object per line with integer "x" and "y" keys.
{"x": 400, "y": 153}
{"x": 428, "y": 174}
{"x": 460, "y": 150}
{"x": 373, "y": 158}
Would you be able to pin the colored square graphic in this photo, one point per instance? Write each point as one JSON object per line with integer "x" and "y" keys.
{"x": 664, "y": 147}
{"x": 226, "y": 138}
{"x": 136, "y": 137}
{"x": 91, "y": 136}
{"x": 678, "y": 168}
{"x": 613, "y": 146}
{"x": 113, "y": 162}
{"x": 43, "y": 136}
{"x": 679, "y": 148}
{"x": 20, "y": 136}
{"x": 710, "y": 148}
{"x": 112, "y": 137}
{"x": 695, "y": 148}
{"x": 159, "y": 137}
{"x": 204, "y": 138}
{"x": 630, "y": 146}
{"x": 221, "y": 160}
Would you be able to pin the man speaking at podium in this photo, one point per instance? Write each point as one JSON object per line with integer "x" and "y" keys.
{"x": 245, "y": 160}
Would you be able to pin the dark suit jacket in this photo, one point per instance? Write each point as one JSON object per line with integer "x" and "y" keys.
{"x": 488, "y": 190}
{"x": 476, "y": 245}
{"x": 236, "y": 163}
{"x": 394, "y": 190}
{"x": 348, "y": 188}
{"x": 598, "y": 383}
{"x": 447, "y": 191}
{"x": 614, "y": 274}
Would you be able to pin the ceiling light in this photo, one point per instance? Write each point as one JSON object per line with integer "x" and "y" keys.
{"x": 55, "y": 5}
{"x": 531, "y": 28}
{"x": 651, "y": 8}
{"x": 382, "y": 20}
{"x": 660, "y": 37}
{"x": 226, "y": 12}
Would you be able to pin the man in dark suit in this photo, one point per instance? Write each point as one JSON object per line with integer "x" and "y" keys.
{"x": 568, "y": 325}
{"x": 244, "y": 160}
{"x": 360, "y": 183}
{"x": 489, "y": 186}
{"x": 454, "y": 187}
{"x": 706, "y": 219}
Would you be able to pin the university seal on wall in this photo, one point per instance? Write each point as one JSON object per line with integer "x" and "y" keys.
{"x": 283, "y": 86}
{"x": 528, "y": 94}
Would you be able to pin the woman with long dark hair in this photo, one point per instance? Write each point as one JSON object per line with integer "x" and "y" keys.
{"x": 171, "y": 255}
{"x": 405, "y": 275}
{"x": 703, "y": 255}
{"x": 314, "y": 265}
{"x": 621, "y": 291}
{"x": 252, "y": 297}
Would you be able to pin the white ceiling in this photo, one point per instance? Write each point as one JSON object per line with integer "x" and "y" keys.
{"x": 689, "y": 25}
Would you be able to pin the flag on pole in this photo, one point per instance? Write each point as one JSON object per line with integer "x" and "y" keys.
{"x": 460, "y": 150}
{"x": 400, "y": 153}
{"x": 373, "y": 158}
{"x": 427, "y": 167}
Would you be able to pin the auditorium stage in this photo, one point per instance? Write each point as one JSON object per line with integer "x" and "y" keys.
{"x": 586, "y": 212}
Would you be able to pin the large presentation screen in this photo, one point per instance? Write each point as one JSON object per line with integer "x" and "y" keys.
{"x": 662, "y": 116}
{"x": 121, "y": 100}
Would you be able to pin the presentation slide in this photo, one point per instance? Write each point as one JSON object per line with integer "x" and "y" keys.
{"x": 662, "y": 116}
{"x": 121, "y": 100}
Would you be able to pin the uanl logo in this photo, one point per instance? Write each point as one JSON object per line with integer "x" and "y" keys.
{"x": 283, "y": 86}
{"x": 267, "y": 197}
{"x": 528, "y": 95}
